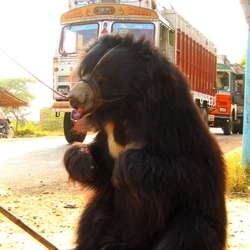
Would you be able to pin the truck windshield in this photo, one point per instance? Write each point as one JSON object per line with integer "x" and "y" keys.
{"x": 138, "y": 29}
{"x": 222, "y": 81}
{"x": 75, "y": 36}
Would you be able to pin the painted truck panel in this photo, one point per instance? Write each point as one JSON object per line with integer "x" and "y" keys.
{"x": 195, "y": 54}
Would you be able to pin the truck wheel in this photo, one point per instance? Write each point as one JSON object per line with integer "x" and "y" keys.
{"x": 204, "y": 115}
{"x": 71, "y": 135}
{"x": 240, "y": 126}
{"x": 228, "y": 127}
{"x": 235, "y": 129}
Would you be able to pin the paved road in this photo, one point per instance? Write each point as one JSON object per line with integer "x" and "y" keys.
{"x": 27, "y": 161}
{"x": 227, "y": 142}
{"x": 30, "y": 161}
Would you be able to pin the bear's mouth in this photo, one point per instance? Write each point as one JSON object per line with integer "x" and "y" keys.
{"x": 78, "y": 112}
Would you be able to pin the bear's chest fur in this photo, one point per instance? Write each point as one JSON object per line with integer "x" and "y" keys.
{"x": 115, "y": 148}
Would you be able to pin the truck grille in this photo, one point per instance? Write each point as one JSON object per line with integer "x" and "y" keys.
{"x": 63, "y": 79}
{"x": 63, "y": 89}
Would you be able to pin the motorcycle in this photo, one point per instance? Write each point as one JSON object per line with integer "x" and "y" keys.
{"x": 7, "y": 134}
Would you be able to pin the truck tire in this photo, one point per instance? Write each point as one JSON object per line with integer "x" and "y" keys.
{"x": 228, "y": 127}
{"x": 240, "y": 126}
{"x": 71, "y": 135}
{"x": 204, "y": 115}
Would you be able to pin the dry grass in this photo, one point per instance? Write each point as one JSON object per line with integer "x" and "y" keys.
{"x": 238, "y": 180}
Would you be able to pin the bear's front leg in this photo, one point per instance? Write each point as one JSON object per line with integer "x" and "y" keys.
{"x": 80, "y": 164}
{"x": 136, "y": 169}
{"x": 90, "y": 164}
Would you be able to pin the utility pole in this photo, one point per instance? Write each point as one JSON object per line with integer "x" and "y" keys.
{"x": 246, "y": 123}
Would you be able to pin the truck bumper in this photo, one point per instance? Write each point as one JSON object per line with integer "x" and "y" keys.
{"x": 61, "y": 106}
{"x": 217, "y": 121}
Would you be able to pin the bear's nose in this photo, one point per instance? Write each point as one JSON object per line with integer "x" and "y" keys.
{"x": 74, "y": 103}
{"x": 78, "y": 93}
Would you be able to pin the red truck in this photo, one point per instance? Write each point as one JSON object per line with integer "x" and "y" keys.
{"x": 229, "y": 107}
{"x": 178, "y": 39}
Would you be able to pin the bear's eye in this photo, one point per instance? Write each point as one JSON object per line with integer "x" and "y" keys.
{"x": 103, "y": 83}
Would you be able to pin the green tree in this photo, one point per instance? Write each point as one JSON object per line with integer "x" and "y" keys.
{"x": 19, "y": 88}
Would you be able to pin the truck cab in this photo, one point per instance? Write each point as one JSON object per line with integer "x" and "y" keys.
{"x": 228, "y": 111}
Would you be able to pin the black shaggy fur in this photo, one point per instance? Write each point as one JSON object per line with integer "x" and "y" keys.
{"x": 157, "y": 172}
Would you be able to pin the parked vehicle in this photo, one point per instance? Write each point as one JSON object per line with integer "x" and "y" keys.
{"x": 7, "y": 134}
{"x": 179, "y": 40}
{"x": 229, "y": 107}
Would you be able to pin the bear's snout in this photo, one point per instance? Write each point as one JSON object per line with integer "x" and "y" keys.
{"x": 78, "y": 93}
{"x": 81, "y": 97}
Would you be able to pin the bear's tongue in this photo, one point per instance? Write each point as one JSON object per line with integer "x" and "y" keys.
{"x": 77, "y": 114}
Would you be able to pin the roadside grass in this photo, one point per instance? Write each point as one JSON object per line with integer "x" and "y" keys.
{"x": 238, "y": 177}
{"x": 32, "y": 129}
{"x": 49, "y": 125}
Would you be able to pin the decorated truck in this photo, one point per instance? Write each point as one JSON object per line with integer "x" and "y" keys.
{"x": 183, "y": 44}
{"x": 229, "y": 106}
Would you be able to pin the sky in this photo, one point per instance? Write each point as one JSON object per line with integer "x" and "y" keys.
{"x": 29, "y": 31}
{"x": 221, "y": 21}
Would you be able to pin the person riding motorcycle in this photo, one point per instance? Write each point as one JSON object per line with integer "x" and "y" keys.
{"x": 4, "y": 121}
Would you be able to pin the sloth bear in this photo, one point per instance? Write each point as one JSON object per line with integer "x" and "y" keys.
{"x": 157, "y": 173}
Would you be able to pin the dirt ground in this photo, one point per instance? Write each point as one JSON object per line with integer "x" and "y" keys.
{"x": 52, "y": 211}
{"x": 52, "y": 208}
